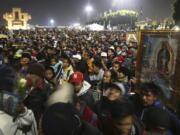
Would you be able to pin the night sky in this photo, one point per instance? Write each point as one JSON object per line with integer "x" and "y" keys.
{"x": 66, "y": 12}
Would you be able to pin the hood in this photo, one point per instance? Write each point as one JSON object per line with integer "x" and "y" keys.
{"x": 84, "y": 89}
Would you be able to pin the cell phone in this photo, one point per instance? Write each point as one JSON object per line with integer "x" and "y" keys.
{"x": 9, "y": 102}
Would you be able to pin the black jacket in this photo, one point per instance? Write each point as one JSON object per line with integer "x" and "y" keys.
{"x": 88, "y": 129}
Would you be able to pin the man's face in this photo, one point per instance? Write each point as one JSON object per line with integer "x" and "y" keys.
{"x": 24, "y": 61}
{"x": 53, "y": 61}
{"x": 148, "y": 98}
{"x": 104, "y": 59}
{"x": 110, "y": 53}
{"x": 77, "y": 87}
{"x": 65, "y": 63}
{"x": 49, "y": 74}
{"x": 114, "y": 94}
{"x": 124, "y": 125}
{"x": 107, "y": 77}
{"x": 116, "y": 67}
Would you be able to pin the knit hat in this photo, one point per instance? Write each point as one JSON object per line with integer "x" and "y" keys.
{"x": 76, "y": 77}
{"x": 37, "y": 69}
{"x": 61, "y": 119}
{"x": 7, "y": 78}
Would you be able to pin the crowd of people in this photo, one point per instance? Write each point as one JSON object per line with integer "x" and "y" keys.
{"x": 70, "y": 82}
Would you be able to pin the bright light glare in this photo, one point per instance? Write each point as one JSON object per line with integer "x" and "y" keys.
{"x": 88, "y": 8}
{"x": 52, "y": 21}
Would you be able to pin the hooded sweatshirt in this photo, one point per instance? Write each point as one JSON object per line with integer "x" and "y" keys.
{"x": 10, "y": 127}
{"x": 86, "y": 95}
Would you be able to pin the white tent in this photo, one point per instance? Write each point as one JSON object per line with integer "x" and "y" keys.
{"x": 95, "y": 27}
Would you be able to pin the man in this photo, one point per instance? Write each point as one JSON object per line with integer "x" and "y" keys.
{"x": 38, "y": 90}
{"x": 114, "y": 94}
{"x": 124, "y": 121}
{"x": 82, "y": 88}
{"x": 157, "y": 121}
{"x": 81, "y": 66}
{"x": 22, "y": 121}
{"x": 97, "y": 76}
{"x": 151, "y": 98}
{"x": 63, "y": 119}
{"x": 24, "y": 64}
{"x": 108, "y": 77}
{"x": 67, "y": 68}
{"x": 1, "y": 55}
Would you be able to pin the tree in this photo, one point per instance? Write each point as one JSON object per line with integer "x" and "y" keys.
{"x": 176, "y": 14}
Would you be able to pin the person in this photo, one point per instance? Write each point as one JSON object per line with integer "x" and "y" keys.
{"x": 81, "y": 66}
{"x": 104, "y": 60}
{"x": 67, "y": 68}
{"x": 97, "y": 76}
{"x": 50, "y": 78}
{"x": 22, "y": 122}
{"x": 57, "y": 67}
{"x": 86, "y": 113}
{"x": 37, "y": 91}
{"x": 82, "y": 88}
{"x": 108, "y": 77}
{"x": 151, "y": 98}
{"x": 124, "y": 122}
{"x": 111, "y": 55}
{"x": 63, "y": 119}
{"x": 157, "y": 121}
{"x": 116, "y": 66}
{"x": 102, "y": 108}
{"x": 24, "y": 64}
{"x": 1, "y": 55}
{"x": 86, "y": 57}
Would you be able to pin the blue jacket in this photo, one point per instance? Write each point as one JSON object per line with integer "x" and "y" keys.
{"x": 174, "y": 121}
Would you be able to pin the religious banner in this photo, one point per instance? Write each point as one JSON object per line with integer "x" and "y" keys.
{"x": 158, "y": 60}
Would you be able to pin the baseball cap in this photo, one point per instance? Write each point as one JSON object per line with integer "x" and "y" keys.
{"x": 103, "y": 54}
{"x": 77, "y": 56}
{"x": 112, "y": 47}
{"x": 76, "y": 77}
{"x": 119, "y": 86}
